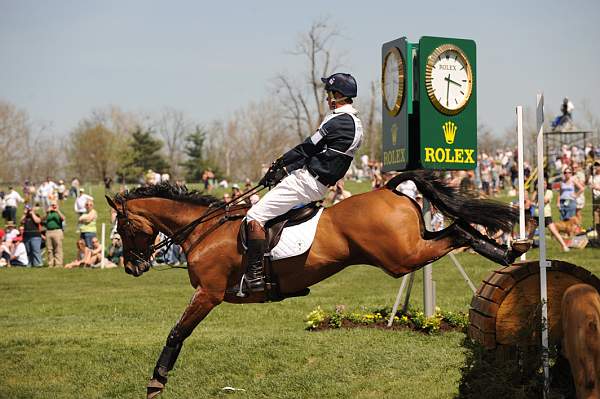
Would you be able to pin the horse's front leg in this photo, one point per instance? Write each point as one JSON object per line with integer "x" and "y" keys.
{"x": 202, "y": 302}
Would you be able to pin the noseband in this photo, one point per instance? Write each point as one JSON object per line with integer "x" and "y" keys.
{"x": 141, "y": 256}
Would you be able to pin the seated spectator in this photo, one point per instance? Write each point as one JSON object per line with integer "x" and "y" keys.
{"x": 18, "y": 255}
{"x": 174, "y": 256}
{"x": 96, "y": 255}
{"x": 115, "y": 251}
{"x": 235, "y": 191}
{"x": 337, "y": 193}
{"x": 10, "y": 232}
{"x": 84, "y": 255}
{"x": 4, "y": 251}
{"x": 376, "y": 176}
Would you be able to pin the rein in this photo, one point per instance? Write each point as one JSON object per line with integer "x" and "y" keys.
{"x": 181, "y": 235}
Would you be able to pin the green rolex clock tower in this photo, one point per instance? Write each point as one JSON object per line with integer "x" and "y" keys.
{"x": 429, "y": 108}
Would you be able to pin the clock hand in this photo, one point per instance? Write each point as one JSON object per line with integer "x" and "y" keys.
{"x": 451, "y": 81}
{"x": 447, "y": 90}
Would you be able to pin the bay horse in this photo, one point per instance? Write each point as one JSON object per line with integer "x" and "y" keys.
{"x": 382, "y": 228}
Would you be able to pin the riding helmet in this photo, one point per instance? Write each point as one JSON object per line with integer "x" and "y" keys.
{"x": 343, "y": 83}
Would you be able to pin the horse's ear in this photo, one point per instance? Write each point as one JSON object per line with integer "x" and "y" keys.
{"x": 111, "y": 203}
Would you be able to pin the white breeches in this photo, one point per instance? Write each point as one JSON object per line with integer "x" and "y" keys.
{"x": 298, "y": 188}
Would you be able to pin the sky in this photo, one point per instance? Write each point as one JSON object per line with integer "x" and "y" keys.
{"x": 62, "y": 59}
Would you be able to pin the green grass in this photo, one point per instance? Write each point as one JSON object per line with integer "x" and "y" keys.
{"x": 98, "y": 333}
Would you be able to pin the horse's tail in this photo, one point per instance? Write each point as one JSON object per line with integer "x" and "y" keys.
{"x": 493, "y": 215}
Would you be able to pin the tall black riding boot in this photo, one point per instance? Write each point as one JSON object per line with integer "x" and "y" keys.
{"x": 254, "y": 279}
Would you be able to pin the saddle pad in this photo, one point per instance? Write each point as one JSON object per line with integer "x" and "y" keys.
{"x": 296, "y": 240}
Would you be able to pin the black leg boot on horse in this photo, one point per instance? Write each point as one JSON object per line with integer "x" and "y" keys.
{"x": 253, "y": 279}
{"x": 489, "y": 248}
{"x": 165, "y": 363}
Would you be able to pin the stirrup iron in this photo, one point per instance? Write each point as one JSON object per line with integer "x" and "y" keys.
{"x": 241, "y": 293}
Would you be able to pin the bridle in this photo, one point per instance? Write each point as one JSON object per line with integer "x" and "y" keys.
{"x": 180, "y": 235}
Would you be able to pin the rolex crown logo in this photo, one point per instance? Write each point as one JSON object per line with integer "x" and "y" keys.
{"x": 394, "y": 131}
{"x": 449, "y": 131}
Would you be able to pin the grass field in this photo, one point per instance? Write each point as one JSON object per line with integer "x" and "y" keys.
{"x": 97, "y": 334}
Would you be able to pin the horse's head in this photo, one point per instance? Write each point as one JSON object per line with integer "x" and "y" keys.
{"x": 137, "y": 235}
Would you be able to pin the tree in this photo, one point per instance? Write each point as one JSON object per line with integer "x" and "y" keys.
{"x": 15, "y": 132}
{"x": 116, "y": 120}
{"x": 98, "y": 145}
{"x": 143, "y": 153}
{"x": 195, "y": 163}
{"x": 590, "y": 119}
{"x": 94, "y": 151}
{"x": 304, "y": 104}
{"x": 173, "y": 127}
{"x": 372, "y": 126}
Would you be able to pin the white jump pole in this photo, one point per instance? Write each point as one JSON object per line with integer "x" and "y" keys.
{"x": 428, "y": 295}
{"x": 102, "y": 253}
{"x": 521, "y": 176}
{"x": 462, "y": 272}
{"x": 542, "y": 233}
{"x": 398, "y": 299}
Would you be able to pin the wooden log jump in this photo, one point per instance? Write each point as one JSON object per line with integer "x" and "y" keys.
{"x": 580, "y": 313}
{"x": 505, "y": 309}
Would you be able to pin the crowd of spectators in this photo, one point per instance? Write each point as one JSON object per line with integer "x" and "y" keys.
{"x": 571, "y": 171}
{"x": 41, "y": 227}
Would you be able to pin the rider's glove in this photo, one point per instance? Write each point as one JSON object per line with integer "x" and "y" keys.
{"x": 274, "y": 175}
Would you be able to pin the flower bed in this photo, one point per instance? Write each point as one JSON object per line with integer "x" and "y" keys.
{"x": 320, "y": 319}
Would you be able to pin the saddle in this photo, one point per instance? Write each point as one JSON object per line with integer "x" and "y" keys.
{"x": 273, "y": 230}
{"x": 274, "y": 227}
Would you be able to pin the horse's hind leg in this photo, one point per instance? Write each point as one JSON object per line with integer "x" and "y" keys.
{"x": 466, "y": 235}
{"x": 400, "y": 256}
{"x": 202, "y": 302}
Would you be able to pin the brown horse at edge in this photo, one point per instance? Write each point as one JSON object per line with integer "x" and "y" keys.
{"x": 382, "y": 228}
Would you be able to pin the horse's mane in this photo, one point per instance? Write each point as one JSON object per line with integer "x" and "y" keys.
{"x": 170, "y": 191}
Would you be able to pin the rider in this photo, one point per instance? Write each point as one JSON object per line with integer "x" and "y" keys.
{"x": 303, "y": 174}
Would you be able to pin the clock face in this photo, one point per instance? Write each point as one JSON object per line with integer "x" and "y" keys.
{"x": 392, "y": 81}
{"x": 448, "y": 79}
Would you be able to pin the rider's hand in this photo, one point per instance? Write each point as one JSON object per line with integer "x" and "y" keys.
{"x": 274, "y": 175}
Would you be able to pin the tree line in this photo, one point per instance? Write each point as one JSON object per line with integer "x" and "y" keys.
{"x": 112, "y": 142}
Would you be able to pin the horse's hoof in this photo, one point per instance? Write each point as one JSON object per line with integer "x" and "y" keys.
{"x": 154, "y": 388}
{"x": 521, "y": 246}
